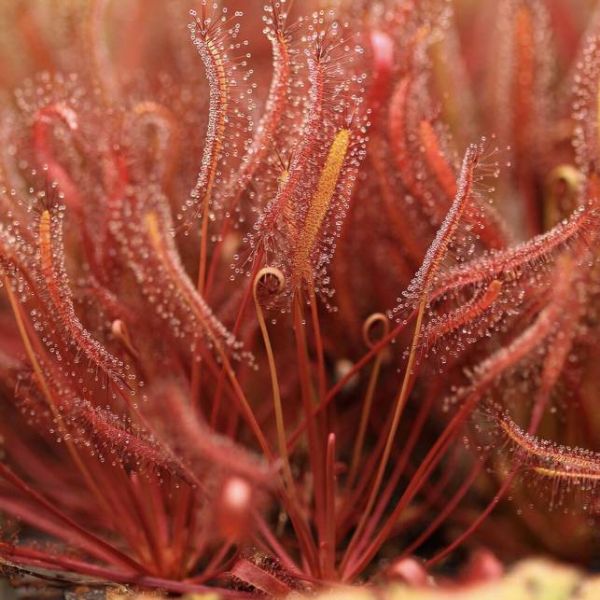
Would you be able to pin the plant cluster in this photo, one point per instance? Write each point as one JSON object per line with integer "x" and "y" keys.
{"x": 283, "y": 319}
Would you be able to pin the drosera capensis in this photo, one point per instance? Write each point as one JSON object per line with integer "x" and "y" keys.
{"x": 273, "y": 319}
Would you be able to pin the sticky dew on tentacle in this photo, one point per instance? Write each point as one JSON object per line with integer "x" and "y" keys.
{"x": 141, "y": 226}
{"x": 11, "y": 208}
{"x": 230, "y": 103}
{"x": 566, "y": 477}
{"x": 535, "y": 336}
{"x": 55, "y": 278}
{"x": 208, "y": 38}
{"x": 549, "y": 459}
{"x": 425, "y": 278}
{"x": 480, "y": 218}
{"x": 533, "y": 255}
{"x": 252, "y": 179}
{"x": 307, "y": 211}
{"x": 277, "y": 31}
{"x": 207, "y": 322}
{"x": 307, "y": 146}
{"x": 465, "y": 318}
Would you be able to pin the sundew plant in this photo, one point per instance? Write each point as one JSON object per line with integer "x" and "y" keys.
{"x": 300, "y": 295}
